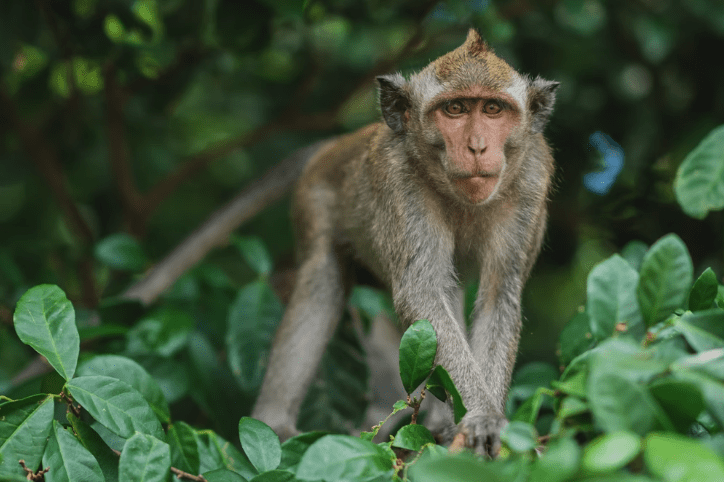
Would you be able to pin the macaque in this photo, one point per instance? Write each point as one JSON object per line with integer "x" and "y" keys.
{"x": 454, "y": 181}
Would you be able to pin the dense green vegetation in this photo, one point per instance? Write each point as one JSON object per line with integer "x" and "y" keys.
{"x": 126, "y": 124}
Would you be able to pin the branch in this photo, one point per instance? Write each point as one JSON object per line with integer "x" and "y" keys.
{"x": 216, "y": 230}
{"x": 47, "y": 163}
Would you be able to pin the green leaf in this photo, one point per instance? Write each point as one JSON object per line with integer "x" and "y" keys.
{"x": 164, "y": 332}
{"x": 559, "y": 462}
{"x": 520, "y": 436}
{"x": 676, "y": 458}
{"x": 634, "y": 253}
{"x": 122, "y": 252}
{"x": 528, "y": 411}
{"x": 135, "y": 375}
{"x": 611, "y": 451}
{"x": 571, "y": 406}
{"x": 255, "y": 254}
{"x": 454, "y": 469}
{"x": 339, "y": 395}
{"x": 704, "y": 291}
{"x": 576, "y": 338}
{"x": 412, "y": 437}
{"x": 340, "y": 457}
{"x": 45, "y": 320}
{"x": 116, "y": 405}
{"x": 666, "y": 275}
{"x": 217, "y": 453}
{"x": 107, "y": 460}
{"x": 144, "y": 458}
{"x": 441, "y": 385}
{"x": 184, "y": 451}
{"x": 275, "y": 476}
{"x": 681, "y": 400}
{"x": 612, "y": 299}
{"x": 260, "y": 444}
{"x": 223, "y": 475}
{"x": 621, "y": 404}
{"x": 371, "y": 302}
{"x": 417, "y": 354}
{"x": 703, "y": 330}
{"x": 24, "y": 428}
{"x": 294, "y": 448}
{"x": 251, "y": 324}
{"x": 699, "y": 184}
{"x": 712, "y": 391}
{"x": 68, "y": 459}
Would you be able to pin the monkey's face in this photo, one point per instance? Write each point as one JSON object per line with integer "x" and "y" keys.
{"x": 469, "y": 116}
{"x": 475, "y": 125}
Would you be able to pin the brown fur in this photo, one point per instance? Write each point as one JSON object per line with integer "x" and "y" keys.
{"x": 386, "y": 196}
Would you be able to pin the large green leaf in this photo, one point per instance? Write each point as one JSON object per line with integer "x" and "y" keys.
{"x": 703, "y": 330}
{"x": 68, "y": 459}
{"x": 252, "y": 321}
{"x": 699, "y": 183}
{"x": 217, "y": 453}
{"x": 107, "y": 459}
{"x": 24, "y": 428}
{"x": 441, "y": 385}
{"x": 666, "y": 275}
{"x": 612, "y": 299}
{"x": 417, "y": 354}
{"x": 559, "y": 463}
{"x": 116, "y": 405}
{"x": 135, "y": 375}
{"x": 341, "y": 457}
{"x": 184, "y": 450}
{"x": 144, "y": 458}
{"x": 611, "y": 451}
{"x": 413, "y": 437}
{"x": 454, "y": 469}
{"x": 339, "y": 395}
{"x": 704, "y": 291}
{"x": 675, "y": 458}
{"x": 45, "y": 320}
{"x": 294, "y": 448}
{"x": 520, "y": 436}
{"x": 260, "y": 444}
{"x": 223, "y": 475}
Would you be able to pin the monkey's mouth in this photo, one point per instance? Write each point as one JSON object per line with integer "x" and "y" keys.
{"x": 477, "y": 188}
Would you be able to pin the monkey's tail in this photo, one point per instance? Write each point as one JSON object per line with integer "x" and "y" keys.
{"x": 216, "y": 229}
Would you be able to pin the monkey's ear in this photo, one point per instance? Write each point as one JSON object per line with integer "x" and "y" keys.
{"x": 394, "y": 100}
{"x": 541, "y": 97}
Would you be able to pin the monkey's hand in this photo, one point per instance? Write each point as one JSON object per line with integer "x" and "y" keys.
{"x": 481, "y": 432}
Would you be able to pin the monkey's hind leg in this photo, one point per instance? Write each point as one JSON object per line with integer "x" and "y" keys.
{"x": 309, "y": 322}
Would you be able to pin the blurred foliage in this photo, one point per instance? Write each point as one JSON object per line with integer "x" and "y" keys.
{"x": 126, "y": 123}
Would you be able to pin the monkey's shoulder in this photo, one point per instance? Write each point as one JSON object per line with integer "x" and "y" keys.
{"x": 333, "y": 162}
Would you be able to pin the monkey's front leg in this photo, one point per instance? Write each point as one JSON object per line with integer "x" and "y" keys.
{"x": 430, "y": 297}
{"x": 495, "y": 334}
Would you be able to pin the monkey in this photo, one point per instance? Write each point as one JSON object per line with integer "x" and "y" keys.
{"x": 454, "y": 179}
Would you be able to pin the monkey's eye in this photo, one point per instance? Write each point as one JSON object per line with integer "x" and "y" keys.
{"x": 454, "y": 108}
{"x": 492, "y": 107}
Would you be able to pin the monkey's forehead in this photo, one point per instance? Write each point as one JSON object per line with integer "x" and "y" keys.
{"x": 470, "y": 80}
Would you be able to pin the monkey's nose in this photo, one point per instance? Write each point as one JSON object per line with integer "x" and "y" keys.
{"x": 477, "y": 145}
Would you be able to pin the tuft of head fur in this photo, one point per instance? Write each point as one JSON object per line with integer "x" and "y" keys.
{"x": 472, "y": 61}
